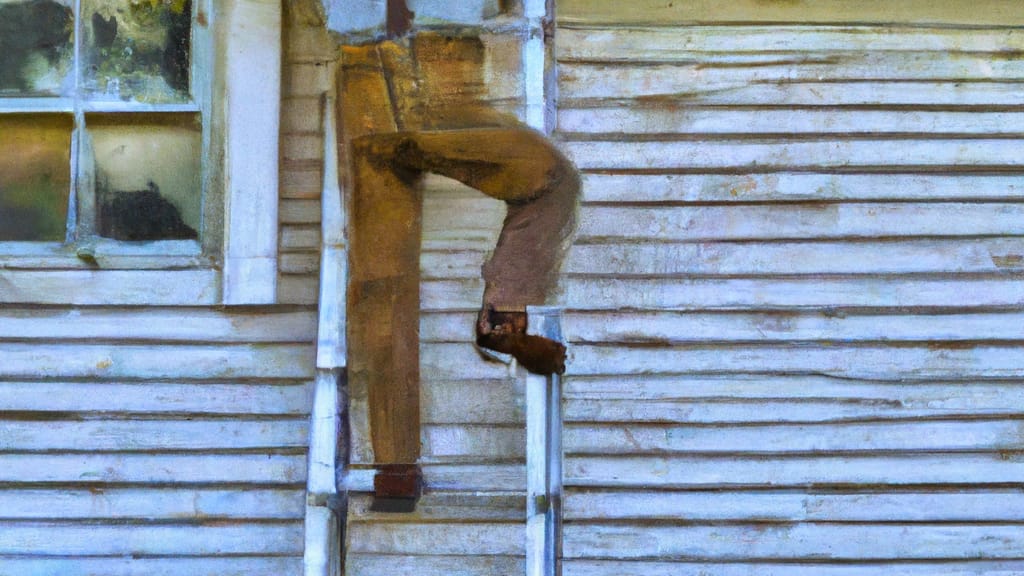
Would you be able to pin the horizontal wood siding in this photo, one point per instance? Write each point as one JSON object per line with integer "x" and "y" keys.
{"x": 175, "y": 436}
{"x": 794, "y": 295}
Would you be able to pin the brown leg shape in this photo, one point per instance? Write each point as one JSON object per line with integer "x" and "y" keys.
{"x": 383, "y": 322}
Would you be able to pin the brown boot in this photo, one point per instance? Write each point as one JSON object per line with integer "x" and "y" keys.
{"x": 506, "y": 332}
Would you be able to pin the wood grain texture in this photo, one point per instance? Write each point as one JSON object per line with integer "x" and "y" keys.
{"x": 793, "y": 506}
{"x": 154, "y": 397}
{"x": 254, "y": 565}
{"x": 150, "y": 504}
{"x": 610, "y": 12}
{"x": 772, "y": 542}
{"x": 100, "y": 468}
{"x": 803, "y": 568}
{"x": 781, "y": 357}
{"x": 276, "y": 538}
{"x": 731, "y": 471}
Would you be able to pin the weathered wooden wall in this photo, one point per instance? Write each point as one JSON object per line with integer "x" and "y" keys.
{"x": 795, "y": 296}
{"x": 140, "y": 437}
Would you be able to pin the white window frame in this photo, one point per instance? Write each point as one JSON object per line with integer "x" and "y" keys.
{"x": 236, "y": 79}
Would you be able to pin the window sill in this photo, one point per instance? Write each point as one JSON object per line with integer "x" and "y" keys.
{"x": 103, "y": 255}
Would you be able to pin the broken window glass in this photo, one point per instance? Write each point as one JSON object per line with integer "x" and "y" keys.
{"x": 35, "y": 177}
{"x": 35, "y": 46}
{"x": 147, "y": 171}
{"x": 137, "y": 49}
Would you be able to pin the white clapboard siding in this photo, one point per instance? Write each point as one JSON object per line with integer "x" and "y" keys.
{"x": 55, "y": 539}
{"x": 360, "y": 564}
{"x": 163, "y": 434}
{"x": 611, "y": 293}
{"x": 172, "y": 324}
{"x": 984, "y": 255}
{"x": 110, "y": 287}
{"x": 478, "y": 442}
{"x": 437, "y": 538}
{"x": 873, "y": 360}
{"x": 137, "y": 361}
{"x": 697, "y": 72}
{"x": 254, "y": 565}
{"x": 150, "y": 503}
{"x": 771, "y": 398}
{"x": 664, "y": 328}
{"x": 734, "y": 471}
{"x": 724, "y": 258}
{"x": 163, "y": 468}
{"x": 796, "y": 187}
{"x": 804, "y": 221}
{"x": 832, "y": 93}
{"x": 941, "y": 436}
{"x": 791, "y": 303}
{"x": 778, "y": 154}
{"x": 280, "y": 397}
{"x": 803, "y": 568}
{"x": 794, "y": 506}
{"x": 696, "y": 120}
{"x": 770, "y": 542}
{"x": 636, "y": 43}
{"x": 615, "y": 293}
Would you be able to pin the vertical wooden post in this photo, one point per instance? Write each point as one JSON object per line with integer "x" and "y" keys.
{"x": 384, "y": 272}
{"x": 543, "y": 454}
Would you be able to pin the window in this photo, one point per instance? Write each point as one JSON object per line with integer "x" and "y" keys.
{"x": 139, "y": 136}
{"x": 101, "y": 125}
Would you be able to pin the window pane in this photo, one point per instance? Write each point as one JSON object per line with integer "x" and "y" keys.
{"x": 35, "y": 177}
{"x": 137, "y": 49}
{"x": 148, "y": 184}
{"x": 35, "y": 46}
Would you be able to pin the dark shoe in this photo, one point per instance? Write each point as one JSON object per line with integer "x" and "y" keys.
{"x": 506, "y": 332}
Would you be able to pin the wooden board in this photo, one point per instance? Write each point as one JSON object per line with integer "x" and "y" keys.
{"x": 802, "y": 568}
{"x": 914, "y": 361}
{"x": 374, "y": 564}
{"x": 193, "y": 325}
{"x": 827, "y": 293}
{"x": 757, "y": 398}
{"x": 145, "y": 435}
{"x": 809, "y": 93}
{"x": 110, "y": 287}
{"x": 803, "y": 222}
{"x": 740, "y": 155}
{"x": 118, "y": 468}
{"x": 796, "y": 187}
{"x": 666, "y": 328}
{"x": 697, "y": 120}
{"x": 275, "y": 538}
{"x": 793, "y": 506}
{"x": 663, "y": 43}
{"x": 682, "y": 438}
{"x": 985, "y": 12}
{"x": 255, "y": 565}
{"x": 874, "y": 471}
{"x": 151, "y": 503}
{"x": 135, "y": 361}
{"x": 437, "y": 538}
{"x": 285, "y": 397}
{"x": 775, "y": 542}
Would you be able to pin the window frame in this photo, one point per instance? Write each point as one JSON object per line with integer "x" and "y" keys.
{"x": 235, "y": 84}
